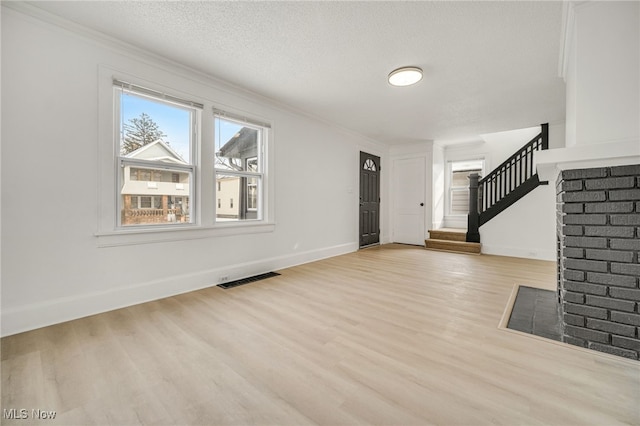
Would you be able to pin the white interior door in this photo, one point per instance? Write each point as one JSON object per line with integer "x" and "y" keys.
{"x": 409, "y": 200}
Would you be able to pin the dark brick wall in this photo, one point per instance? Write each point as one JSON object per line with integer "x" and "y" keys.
{"x": 598, "y": 220}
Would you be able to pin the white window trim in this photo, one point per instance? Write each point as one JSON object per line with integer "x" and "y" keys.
{"x": 158, "y": 96}
{"x": 448, "y": 188}
{"x": 263, "y": 160}
{"x": 108, "y": 234}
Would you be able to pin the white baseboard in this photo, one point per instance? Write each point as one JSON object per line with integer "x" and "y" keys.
{"x": 29, "y": 317}
{"x": 527, "y": 253}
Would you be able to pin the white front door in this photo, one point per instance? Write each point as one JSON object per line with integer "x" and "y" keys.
{"x": 409, "y": 200}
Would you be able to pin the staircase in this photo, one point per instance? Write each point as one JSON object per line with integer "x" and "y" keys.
{"x": 493, "y": 194}
{"x": 451, "y": 239}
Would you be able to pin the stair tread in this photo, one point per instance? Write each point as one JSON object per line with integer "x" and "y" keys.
{"x": 454, "y": 243}
{"x": 453, "y": 246}
{"x": 448, "y": 234}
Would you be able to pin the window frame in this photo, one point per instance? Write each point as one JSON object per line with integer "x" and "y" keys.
{"x": 451, "y": 189}
{"x": 194, "y": 109}
{"x": 107, "y": 233}
{"x": 260, "y": 175}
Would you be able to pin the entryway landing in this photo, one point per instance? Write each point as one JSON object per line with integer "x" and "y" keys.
{"x": 452, "y": 240}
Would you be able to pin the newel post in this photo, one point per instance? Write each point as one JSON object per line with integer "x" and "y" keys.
{"x": 545, "y": 135}
{"x": 473, "y": 235}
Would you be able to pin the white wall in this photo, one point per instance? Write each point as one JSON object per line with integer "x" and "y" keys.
{"x": 602, "y": 65}
{"x": 53, "y": 269}
{"x": 525, "y": 229}
{"x": 557, "y": 132}
{"x": 439, "y": 167}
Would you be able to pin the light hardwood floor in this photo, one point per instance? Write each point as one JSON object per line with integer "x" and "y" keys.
{"x": 388, "y": 335}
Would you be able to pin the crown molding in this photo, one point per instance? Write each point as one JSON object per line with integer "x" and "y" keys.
{"x": 567, "y": 35}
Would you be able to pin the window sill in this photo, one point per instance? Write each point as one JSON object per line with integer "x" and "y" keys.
{"x": 137, "y": 236}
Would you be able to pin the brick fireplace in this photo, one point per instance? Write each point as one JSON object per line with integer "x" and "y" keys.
{"x": 598, "y": 211}
{"x": 597, "y": 171}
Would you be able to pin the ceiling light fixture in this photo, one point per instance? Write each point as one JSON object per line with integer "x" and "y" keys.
{"x": 405, "y": 76}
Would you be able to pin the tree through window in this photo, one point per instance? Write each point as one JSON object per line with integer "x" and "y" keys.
{"x": 155, "y": 160}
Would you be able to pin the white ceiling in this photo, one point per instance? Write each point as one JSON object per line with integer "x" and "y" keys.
{"x": 489, "y": 66}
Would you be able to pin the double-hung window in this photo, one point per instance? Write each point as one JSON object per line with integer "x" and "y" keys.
{"x": 174, "y": 167}
{"x": 459, "y": 184}
{"x": 239, "y": 165}
{"x": 157, "y": 137}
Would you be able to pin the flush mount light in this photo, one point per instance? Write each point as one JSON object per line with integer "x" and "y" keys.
{"x": 405, "y": 76}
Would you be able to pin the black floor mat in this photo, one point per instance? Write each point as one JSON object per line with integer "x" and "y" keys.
{"x": 536, "y": 311}
{"x": 255, "y": 278}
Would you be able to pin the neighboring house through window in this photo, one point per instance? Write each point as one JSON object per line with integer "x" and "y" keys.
{"x": 239, "y": 166}
{"x": 156, "y": 145}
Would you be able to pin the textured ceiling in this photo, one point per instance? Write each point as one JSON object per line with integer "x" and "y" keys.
{"x": 489, "y": 66}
